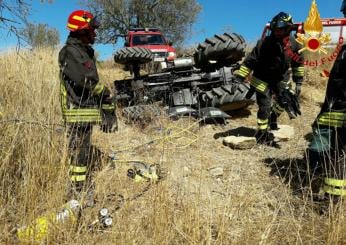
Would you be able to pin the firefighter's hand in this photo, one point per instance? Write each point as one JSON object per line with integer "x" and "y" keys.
{"x": 109, "y": 122}
{"x": 289, "y": 102}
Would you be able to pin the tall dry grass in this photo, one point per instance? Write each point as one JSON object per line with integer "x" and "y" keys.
{"x": 32, "y": 149}
{"x": 261, "y": 197}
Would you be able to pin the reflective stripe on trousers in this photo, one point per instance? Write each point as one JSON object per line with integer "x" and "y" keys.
{"x": 78, "y": 173}
{"x": 80, "y": 152}
{"x": 298, "y": 71}
{"x": 262, "y": 124}
{"x": 335, "y": 187}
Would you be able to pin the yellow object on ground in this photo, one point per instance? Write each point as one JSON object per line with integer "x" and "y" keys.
{"x": 40, "y": 228}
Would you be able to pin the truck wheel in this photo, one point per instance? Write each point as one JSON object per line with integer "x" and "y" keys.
{"x": 227, "y": 97}
{"x": 130, "y": 55}
{"x": 227, "y": 48}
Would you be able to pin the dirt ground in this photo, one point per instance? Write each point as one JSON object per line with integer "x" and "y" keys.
{"x": 256, "y": 195}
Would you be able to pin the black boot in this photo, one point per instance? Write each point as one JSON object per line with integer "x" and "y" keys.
{"x": 74, "y": 191}
{"x": 326, "y": 203}
{"x": 273, "y": 121}
{"x": 265, "y": 138}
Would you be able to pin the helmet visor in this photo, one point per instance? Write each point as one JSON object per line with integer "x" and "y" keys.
{"x": 282, "y": 24}
{"x": 94, "y": 23}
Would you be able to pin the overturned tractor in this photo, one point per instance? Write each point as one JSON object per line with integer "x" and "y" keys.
{"x": 202, "y": 86}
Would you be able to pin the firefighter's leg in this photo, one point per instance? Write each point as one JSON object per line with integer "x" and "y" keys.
{"x": 264, "y": 103}
{"x": 276, "y": 111}
{"x": 93, "y": 159}
{"x": 317, "y": 153}
{"x": 79, "y": 149}
{"x": 335, "y": 181}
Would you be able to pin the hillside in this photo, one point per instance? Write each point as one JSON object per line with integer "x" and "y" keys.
{"x": 262, "y": 195}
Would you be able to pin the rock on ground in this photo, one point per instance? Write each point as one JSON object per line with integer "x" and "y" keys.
{"x": 284, "y": 133}
{"x": 239, "y": 142}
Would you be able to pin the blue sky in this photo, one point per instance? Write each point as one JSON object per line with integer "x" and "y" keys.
{"x": 246, "y": 17}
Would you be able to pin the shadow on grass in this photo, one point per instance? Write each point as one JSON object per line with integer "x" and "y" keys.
{"x": 240, "y": 113}
{"x": 296, "y": 173}
{"x": 240, "y": 131}
{"x": 309, "y": 136}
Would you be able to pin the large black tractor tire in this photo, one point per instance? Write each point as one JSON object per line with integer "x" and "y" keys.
{"x": 228, "y": 97}
{"x": 133, "y": 55}
{"x": 228, "y": 48}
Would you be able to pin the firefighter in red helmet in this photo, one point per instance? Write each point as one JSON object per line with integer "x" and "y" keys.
{"x": 85, "y": 101}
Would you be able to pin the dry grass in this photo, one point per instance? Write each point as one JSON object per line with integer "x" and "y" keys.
{"x": 262, "y": 196}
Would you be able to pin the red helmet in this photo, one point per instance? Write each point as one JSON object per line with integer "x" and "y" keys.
{"x": 81, "y": 20}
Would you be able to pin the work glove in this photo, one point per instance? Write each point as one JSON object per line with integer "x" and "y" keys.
{"x": 238, "y": 80}
{"x": 289, "y": 101}
{"x": 109, "y": 122}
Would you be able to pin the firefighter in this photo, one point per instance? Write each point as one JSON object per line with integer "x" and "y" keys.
{"x": 270, "y": 63}
{"x": 328, "y": 146}
{"x": 85, "y": 101}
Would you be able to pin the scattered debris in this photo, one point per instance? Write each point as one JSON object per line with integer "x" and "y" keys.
{"x": 104, "y": 219}
{"x": 216, "y": 171}
{"x": 40, "y": 228}
{"x": 143, "y": 172}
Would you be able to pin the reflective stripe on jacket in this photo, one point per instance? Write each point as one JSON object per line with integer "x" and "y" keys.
{"x": 73, "y": 114}
{"x": 259, "y": 85}
{"x": 332, "y": 119}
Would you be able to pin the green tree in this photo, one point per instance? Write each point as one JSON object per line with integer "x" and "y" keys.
{"x": 175, "y": 18}
{"x": 41, "y": 35}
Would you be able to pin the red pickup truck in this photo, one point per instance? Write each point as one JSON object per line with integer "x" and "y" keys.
{"x": 152, "y": 39}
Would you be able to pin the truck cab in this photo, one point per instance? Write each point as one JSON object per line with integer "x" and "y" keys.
{"x": 152, "y": 39}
